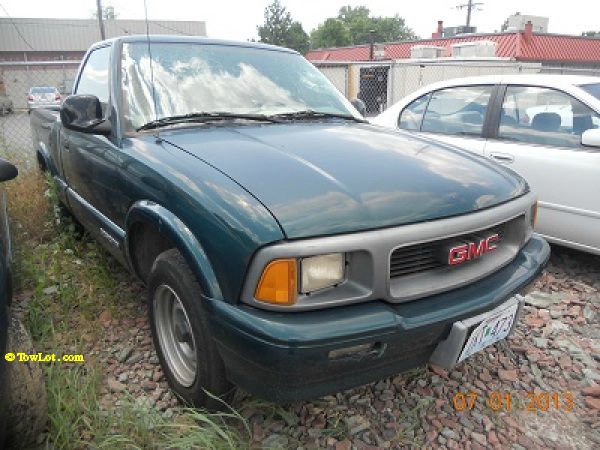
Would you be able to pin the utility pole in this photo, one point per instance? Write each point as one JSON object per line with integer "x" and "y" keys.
{"x": 100, "y": 21}
{"x": 470, "y": 6}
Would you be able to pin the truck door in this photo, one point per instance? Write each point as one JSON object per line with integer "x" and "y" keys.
{"x": 91, "y": 162}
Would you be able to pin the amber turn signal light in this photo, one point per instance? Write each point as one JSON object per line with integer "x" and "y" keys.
{"x": 278, "y": 283}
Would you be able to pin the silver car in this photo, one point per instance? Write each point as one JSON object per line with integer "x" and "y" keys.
{"x": 43, "y": 97}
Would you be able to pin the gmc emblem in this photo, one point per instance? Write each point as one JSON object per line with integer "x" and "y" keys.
{"x": 465, "y": 252}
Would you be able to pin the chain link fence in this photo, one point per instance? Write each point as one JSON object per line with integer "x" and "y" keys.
{"x": 16, "y": 79}
{"x": 378, "y": 84}
{"x": 381, "y": 84}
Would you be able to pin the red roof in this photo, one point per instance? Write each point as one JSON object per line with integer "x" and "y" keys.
{"x": 538, "y": 47}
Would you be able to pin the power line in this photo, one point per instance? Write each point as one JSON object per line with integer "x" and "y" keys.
{"x": 470, "y": 7}
{"x": 16, "y": 27}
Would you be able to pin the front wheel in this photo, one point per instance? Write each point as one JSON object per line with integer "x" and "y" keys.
{"x": 181, "y": 334}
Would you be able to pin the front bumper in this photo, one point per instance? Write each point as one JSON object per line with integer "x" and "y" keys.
{"x": 289, "y": 356}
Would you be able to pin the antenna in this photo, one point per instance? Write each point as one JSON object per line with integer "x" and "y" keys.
{"x": 470, "y": 7}
{"x": 157, "y": 135}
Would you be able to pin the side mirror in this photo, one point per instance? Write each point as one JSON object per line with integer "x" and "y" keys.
{"x": 84, "y": 113}
{"x": 359, "y": 105}
{"x": 8, "y": 171}
{"x": 591, "y": 137}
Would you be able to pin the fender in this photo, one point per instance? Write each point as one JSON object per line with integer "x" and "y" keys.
{"x": 171, "y": 226}
{"x": 43, "y": 156}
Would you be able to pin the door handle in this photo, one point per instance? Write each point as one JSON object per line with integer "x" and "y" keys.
{"x": 45, "y": 126}
{"x": 66, "y": 144}
{"x": 502, "y": 157}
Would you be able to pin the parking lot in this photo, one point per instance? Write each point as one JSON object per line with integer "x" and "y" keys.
{"x": 538, "y": 390}
{"x": 15, "y": 134}
{"x": 204, "y": 199}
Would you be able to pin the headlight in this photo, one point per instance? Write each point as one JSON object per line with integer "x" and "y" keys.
{"x": 322, "y": 271}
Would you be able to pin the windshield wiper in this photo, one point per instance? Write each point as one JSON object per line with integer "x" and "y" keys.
{"x": 201, "y": 117}
{"x": 310, "y": 114}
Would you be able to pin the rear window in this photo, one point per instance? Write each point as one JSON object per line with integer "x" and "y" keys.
{"x": 43, "y": 90}
{"x": 593, "y": 89}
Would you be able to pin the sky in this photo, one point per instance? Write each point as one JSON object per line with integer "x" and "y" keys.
{"x": 238, "y": 19}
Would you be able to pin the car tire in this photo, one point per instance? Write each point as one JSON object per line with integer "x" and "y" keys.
{"x": 26, "y": 393}
{"x": 181, "y": 333}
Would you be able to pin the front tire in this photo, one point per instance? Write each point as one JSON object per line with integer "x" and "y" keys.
{"x": 182, "y": 338}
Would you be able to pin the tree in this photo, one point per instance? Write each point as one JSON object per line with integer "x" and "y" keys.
{"x": 591, "y": 33}
{"x": 332, "y": 33}
{"x": 108, "y": 13}
{"x": 355, "y": 26}
{"x": 280, "y": 29}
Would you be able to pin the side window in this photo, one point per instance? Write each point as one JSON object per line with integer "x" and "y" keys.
{"x": 457, "y": 110}
{"x": 412, "y": 115}
{"x": 544, "y": 116}
{"x": 94, "y": 76}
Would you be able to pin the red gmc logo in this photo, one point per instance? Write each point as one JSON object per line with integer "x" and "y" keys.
{"x": 472, "y": 250}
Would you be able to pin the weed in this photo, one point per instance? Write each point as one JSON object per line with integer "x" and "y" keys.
{"x": 63, "y": 281}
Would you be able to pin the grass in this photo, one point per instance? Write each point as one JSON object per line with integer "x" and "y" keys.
{"x": 63, "y": 281}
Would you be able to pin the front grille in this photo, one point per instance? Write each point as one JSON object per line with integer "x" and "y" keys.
{"x": 433, "y": 254}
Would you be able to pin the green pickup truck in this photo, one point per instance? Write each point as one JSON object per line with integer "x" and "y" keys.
{"x": 289, "y": 247}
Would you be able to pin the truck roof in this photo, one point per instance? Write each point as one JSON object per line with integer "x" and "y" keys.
{"x": 156, "y": 38}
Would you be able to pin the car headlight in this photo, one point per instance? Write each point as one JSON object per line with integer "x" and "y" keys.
{"x": 318, "y": 272}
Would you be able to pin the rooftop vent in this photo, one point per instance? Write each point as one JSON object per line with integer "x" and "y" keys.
{"x": 426, "y": 51}
{"x": 480, "y": 49}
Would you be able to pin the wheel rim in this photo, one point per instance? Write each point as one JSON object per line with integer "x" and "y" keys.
{"x": 175, "y": 335}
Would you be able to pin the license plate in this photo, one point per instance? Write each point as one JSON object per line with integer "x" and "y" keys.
{"x": 491, "y": 330}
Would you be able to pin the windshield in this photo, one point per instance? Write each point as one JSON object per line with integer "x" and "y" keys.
{"x": 593, "y": 89}
{"x": 43, "y": 90}
{"x": 192, "y": 78}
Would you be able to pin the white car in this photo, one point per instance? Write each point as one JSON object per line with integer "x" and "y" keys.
{"x": 545, "y": 127}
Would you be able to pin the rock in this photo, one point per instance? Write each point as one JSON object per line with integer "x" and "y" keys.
{"x": 123, "y": 377}
{"x": 275, "y": 441}
{"x": 105, "y": 317}
{"x": 124, "y": 354}
{"x": 114, "y": 385}
{"x": 480, "y": 438}
{"x": 542, "y": 300}
{"x": 588, "y": 313}
{"x": 492, "y": 438}
{"x": 135, "y": 358}
{"x": 508, "y": 375}
{"x": 343, "y": 445}
{"x": 592, "y": 391}
{"x": 591, "y": 375}
{"x": 540, "y": 342}
{"x": 356, "y": 424}
{"x": 592, "y": 402}
{"x": 50, "y": 290}
{"x": 144, "y": 402}
{"x": 449, "y": 434}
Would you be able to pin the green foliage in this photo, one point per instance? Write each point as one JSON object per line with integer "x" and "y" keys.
{"x": 332, "y": 33}
{"x": 591, "y": 33}
{"x": 353, "y": 26}
{"x": 280, "y": 29}
{"x": 63, "y": 282}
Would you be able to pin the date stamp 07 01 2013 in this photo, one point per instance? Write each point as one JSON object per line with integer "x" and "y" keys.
{"x": 507, "y": 401}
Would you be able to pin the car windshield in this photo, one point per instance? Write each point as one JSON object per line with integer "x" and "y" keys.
{"x": 192, "y": 78}
{"x": 43, "y": 90}
{"x": 593, "y": 89}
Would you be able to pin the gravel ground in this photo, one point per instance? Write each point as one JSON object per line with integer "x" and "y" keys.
{"x": 551, "y": 359}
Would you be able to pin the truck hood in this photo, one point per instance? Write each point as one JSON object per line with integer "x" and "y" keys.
{"x": 328, "y": 178}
